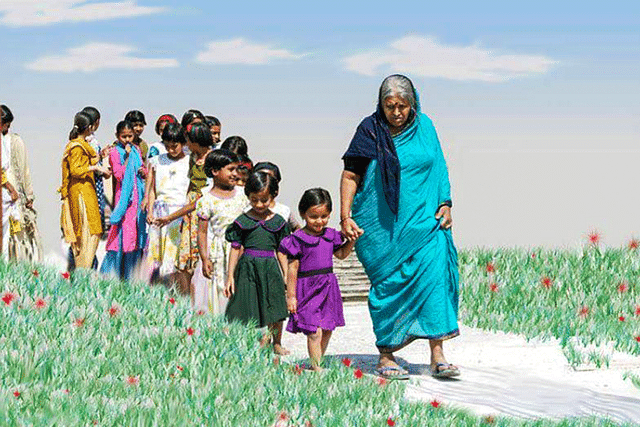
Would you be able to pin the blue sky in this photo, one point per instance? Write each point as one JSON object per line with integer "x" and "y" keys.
{"x": 537, "y": 105}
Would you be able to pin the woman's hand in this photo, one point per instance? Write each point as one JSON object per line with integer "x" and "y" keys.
{"x": 292, "y": 304}
{"x": 445, "y": 213}
{"x": 350, "y": 229}
{"x": 230, "y": 288}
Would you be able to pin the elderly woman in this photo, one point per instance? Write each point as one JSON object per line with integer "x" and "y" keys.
{"x": 395, "y": 199}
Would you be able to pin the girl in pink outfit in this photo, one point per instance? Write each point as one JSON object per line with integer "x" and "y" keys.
{"x": 127, "y": 219}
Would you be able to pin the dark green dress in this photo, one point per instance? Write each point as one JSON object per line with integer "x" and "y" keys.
{"x": 260, "y": 289}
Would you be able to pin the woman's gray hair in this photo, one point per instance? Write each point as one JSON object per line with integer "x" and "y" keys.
{"x": 399, "y": 85}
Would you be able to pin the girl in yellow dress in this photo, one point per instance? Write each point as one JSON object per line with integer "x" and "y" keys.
{"x": 80, "y": 219}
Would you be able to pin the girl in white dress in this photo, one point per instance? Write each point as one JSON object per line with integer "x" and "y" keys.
{"x": 169, "y": 174}
{"x": 220, "y": 204}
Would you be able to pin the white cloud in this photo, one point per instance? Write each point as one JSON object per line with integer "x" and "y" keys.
{"x": 425, "y": 57}
{"x": 240, "y": 51}
{"x": 97, "y": 56}
{"x": 27, "y": 13}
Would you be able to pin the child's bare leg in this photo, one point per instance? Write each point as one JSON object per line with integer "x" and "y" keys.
{"x": 276, "y": 331}
{"x": 314, "y": 345}
{"x": 266, "y": 337}
{"x": 326, "y": 336}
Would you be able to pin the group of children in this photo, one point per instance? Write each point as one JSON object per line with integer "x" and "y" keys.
{"x": 206, "y": 219}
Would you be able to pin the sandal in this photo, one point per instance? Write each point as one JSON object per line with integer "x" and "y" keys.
{"x": 386, "y": 373}
{"x": 445, "y": 370}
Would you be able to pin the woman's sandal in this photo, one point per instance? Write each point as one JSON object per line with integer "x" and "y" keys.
{"x": 386, "y": 373}
{"x": 445, "y": 370}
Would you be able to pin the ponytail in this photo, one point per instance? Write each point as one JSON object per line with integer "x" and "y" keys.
{"x": 81, "y": 123}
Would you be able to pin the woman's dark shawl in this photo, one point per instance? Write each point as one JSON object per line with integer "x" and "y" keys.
{"x": 372, "y": 140}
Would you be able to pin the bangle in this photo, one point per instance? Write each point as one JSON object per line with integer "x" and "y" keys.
{"x": 344, "y": 219}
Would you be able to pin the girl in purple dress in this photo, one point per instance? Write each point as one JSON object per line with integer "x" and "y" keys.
{"x": 313, "y": 295}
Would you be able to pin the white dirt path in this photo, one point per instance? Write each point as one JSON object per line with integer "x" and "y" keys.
{"x": 500, "y": 373}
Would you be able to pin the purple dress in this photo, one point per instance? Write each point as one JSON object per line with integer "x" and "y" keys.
{"x": 317, "y": 291}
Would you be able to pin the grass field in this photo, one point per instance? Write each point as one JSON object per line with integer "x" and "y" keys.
{"x": 589, "y": 298}
{"x": 79, "y": 350}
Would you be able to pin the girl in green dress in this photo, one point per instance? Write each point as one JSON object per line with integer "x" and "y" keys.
{"x": 255, "y": 284}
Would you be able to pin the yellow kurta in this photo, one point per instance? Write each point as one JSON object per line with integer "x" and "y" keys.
{"x": 78, "y": 183}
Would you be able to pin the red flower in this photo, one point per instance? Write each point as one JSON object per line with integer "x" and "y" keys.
{"x": 637, "y": 312}
{"x": 8, "y": 297}
{"x": 533, "y": 256}
{"x": 346, "y": 362}
{"x": 621, "y": 318}
{"x": 16, "y": 393}
{"x": 200, "y": 312}
{"x": 594, "y": 238}
{"x": 66, "y": 275}
{"x": 180, "y": 368}
{"x": 190, "y": 331}
{"x": 435, "y": 403}
{"x": 638, "y": 338}
{"x": 623, "y": 287}
{"x": 79, "y": 322}
{"x": 390, "y": 422}
{"x": 584, "y": 310}
{"x": 382, "y": 381}
{"x": 40, "y": 303}
{"x": 113, "y": 310}
{"x": 283, "y": 416}
{"x": 634, "y": 244}
{"x": 490, "y": 267}
{"x": 297, "y": 369}
{"x": 546, "y": 282}
{"x": 66, "y": 390}
{"x": 357, "y": 373}
{"x": 172, "y": 301}
{"x": 35, "y": 273}
{"x": 493, "y": 287}
{"x": 133, "y": 380}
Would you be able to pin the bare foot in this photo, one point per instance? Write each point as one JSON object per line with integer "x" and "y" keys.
{"x": 279, "y": 349}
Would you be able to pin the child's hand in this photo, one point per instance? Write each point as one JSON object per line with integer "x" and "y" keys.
{"x": 14, "y": 194}
{"x": 161, "y": 222}
{"x": 105, "y": 152}
{"x": 103, "y": 170}
{"x": 150, "y": 218}
{"x": 350, "y": 229}
{"x": 230, "y": 288}
{"x": 292, "y": 304}
{"x": 207, "y": 269}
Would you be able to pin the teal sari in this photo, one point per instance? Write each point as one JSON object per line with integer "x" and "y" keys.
{"x": 410, "y": 259}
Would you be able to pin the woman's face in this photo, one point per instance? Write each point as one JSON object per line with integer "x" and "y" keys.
{"x": 396, "y": 110}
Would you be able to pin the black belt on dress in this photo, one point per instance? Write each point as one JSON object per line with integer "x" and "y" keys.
{"x": 315, "y": 272}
